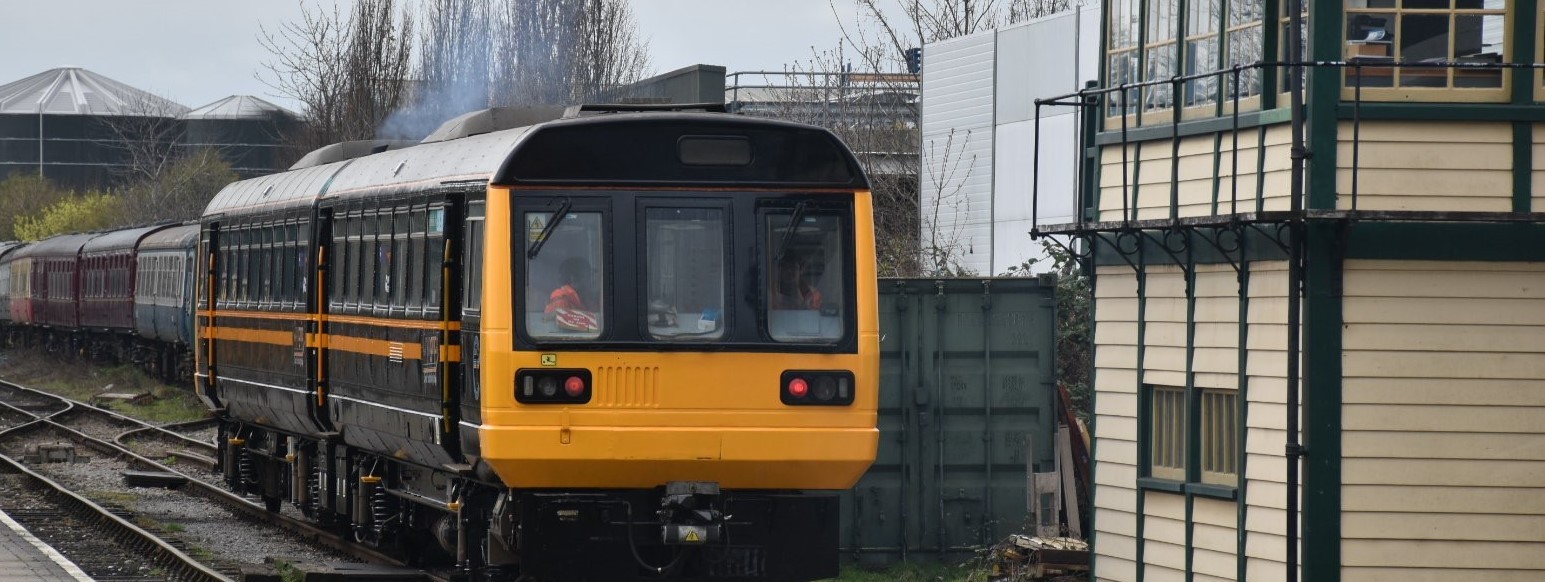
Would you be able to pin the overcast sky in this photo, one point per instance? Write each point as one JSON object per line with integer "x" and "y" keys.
{"x": 197, "y": 51}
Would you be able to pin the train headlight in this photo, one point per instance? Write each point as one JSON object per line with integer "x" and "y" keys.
{"x": 816, "y": 387}
{"x": 550, "y": 386}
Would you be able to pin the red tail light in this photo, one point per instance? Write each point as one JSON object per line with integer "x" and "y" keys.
{"x": 574, "y": 386}
{"x": 816, "y": 387}
{"x": 798, "y": 388}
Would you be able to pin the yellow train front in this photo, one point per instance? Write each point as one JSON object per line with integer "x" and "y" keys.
{"x": 654, "y": 351}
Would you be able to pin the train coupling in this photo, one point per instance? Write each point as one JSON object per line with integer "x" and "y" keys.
{"x": 690, "y": 513}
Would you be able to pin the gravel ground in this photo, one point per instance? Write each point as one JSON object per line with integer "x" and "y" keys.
{"x": 203, "y": 524}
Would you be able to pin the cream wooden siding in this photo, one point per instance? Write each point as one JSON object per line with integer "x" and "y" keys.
{"x": 1537, "y": 204}
{"x": 1266, "y": 426}
{"x": 1115, "y": 424}
{"x": 1444, "y": 421}
{"x": 1200, "y": 161}
{"x": 1454, "y": 166}
{"x": 1214, "y": 533}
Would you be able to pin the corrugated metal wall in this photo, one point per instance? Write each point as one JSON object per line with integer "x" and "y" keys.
{"x": 978, "y": 126}
{"x": 957, "y": 126}
{"x": 967, "y": 409}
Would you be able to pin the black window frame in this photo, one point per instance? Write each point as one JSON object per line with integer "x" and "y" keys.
{"x": 642, "y": 205}
{"x": 622, "y": 222}
{"x": 610, "y": 233}
{"x": 814, "y": 206}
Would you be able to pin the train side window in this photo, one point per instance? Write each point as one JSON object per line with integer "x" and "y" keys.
{"x": 435, "y": 247}
{"x": 303, "y": 255}
{"x": 472, "y": 299}
{"x": 254, "y": 265}
{"x": 383, "y": 247}
{"x": 564, "y": 282}
{"x": 352, "y": 264}
{"x": 265, "y": 278}
{"x": 400, "y": 259}
{"x": 239, "y": 270}
{"x": 417, "y": 260}
{"x": 284, "y": 258}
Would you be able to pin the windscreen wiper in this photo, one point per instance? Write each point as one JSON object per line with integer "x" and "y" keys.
{"x": 788, "y": 235}
{"x": 541, "y": 239}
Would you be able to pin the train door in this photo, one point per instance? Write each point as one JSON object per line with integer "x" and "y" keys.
{"x": 314, "y": 262}
{"x": 471, "y": 393}
{"x": 204, "y": 351}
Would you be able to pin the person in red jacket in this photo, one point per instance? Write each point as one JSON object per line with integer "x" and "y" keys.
{"x": 566, "y": 305}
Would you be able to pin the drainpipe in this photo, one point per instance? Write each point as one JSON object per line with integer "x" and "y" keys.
{"x": 1294, "y": 450}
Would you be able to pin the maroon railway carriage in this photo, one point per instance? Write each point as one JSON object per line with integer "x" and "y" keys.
{"x": 18, "y": 264}
{"x": 55, "y": 297}
{"x": 7, "y": 253}
{"x": 107, "y": 266}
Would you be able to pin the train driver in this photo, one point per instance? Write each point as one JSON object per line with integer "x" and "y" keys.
{"x": 792, "y": 289}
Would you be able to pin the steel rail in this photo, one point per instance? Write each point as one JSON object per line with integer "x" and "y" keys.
{"x": 177, "y": 565}
{"x": 235, "y": 502}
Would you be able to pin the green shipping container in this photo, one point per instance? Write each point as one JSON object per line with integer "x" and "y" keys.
{"x": 967, "y": 411}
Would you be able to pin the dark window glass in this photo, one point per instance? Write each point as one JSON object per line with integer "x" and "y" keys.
{"x": 684, "y": 258}
{"x": 804, "y": 262}
{"x": 565, "y": 279}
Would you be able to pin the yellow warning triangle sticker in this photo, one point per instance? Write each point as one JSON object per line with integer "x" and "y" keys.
{"x": 692, "y": 536}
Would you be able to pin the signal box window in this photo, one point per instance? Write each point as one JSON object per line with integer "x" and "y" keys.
{"x": 564, "y": 275}
{"x": 803, "y": 261}
{"x": 685, "y": 262}
{"x": 1380, "y": 32}
{"x": 1167, "y": 433}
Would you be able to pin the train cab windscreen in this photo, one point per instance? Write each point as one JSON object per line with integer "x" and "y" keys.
{"x": 684, "y": 259}
{"x": 565, "y": 276}
{"x": 803, "y": 257}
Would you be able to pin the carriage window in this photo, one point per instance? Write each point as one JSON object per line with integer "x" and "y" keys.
{"x": 399, "y": 258}
{"x": 803, "y": 261}
{"x": 433, "y": 270}
{"x": 684, "y": 256}
{"x": 472, "y": 292}
{"x": 564, "y": 280}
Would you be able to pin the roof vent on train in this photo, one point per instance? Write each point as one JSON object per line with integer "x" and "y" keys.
{"x": 491, "y": 120}
{"x": 589, "y": 109}
{"x": 349, "y": 150}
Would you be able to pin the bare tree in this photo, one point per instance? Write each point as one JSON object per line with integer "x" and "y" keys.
{"x": 147, "y": 133}
{"x": 875, "y": 114}
{"x": 611, "y": 54}
{"x": 348, "y": 72}
{"x": 456, "y": 61}
{"x": 180, "y": 192}
{"x": 879, "y": 39}
{"x": 562, "y": 52}
{"x": 483, "y": 53}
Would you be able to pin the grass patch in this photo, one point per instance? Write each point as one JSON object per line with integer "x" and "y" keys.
{"x": 121, "y": 499}
{"x": 78, "y": 379}
{"x": 914, "y": 572}
{"x": 173, "y": 527}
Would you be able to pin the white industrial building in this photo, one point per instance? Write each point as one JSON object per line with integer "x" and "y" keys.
{"x": 978, "y": 149}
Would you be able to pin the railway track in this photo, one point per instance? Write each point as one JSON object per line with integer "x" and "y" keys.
{"x": 31, "y": 417}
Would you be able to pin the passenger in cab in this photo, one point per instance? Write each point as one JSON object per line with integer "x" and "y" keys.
{"x": 792, "y": 288}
